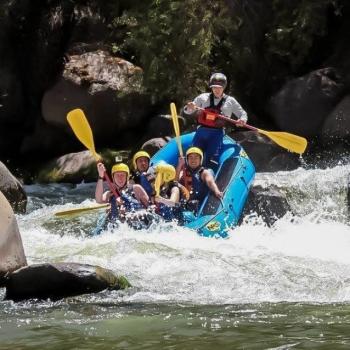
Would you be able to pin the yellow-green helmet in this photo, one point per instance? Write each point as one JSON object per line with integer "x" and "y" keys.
{"x": 195, "y": 150}
{"x": 121, "y": 167}
{"x": 138, "y": 155}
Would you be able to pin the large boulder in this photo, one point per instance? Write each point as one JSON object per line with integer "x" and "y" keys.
{"x": 12, "y": 190}
{"x": 12, "y": 254}
{"x": 302, "y": 105}
{"x": 77, "y": 167}
{"x": 107, "y": 88}
{"x": 72, "y": 167}
{"x": 60, "y": 280}
{"x": 268, "y": 203}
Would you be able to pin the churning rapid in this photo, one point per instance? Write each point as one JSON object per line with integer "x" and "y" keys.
{"x": 302, "y": 257}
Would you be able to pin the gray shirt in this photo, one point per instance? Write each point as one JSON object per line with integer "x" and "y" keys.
{"x": 229, "y": 107}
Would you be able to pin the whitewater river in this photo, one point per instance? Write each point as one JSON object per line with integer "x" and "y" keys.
{"x": 280, "y": 287}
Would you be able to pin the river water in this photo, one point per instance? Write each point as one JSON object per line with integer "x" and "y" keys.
{"x": 280, "y": 287}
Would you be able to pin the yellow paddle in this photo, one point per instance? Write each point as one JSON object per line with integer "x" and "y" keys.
{"x": 291, "y": 142}
{"x": 80, "y": 210}
{"x": 82, "y": 130}
{"x": 175, "y": 120}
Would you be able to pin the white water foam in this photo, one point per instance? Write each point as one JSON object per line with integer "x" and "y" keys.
{"x": 300, "y": 258}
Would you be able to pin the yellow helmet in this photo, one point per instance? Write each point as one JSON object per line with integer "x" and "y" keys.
{"x": 195, "y": 150}
{"x": 121, "y": 167}
{"x": 138, "y": 155}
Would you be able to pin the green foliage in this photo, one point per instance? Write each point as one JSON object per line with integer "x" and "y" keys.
{"x": 173, "y": 42}
{"x": 296, "y": 27}
{"x": 179, "y": 43}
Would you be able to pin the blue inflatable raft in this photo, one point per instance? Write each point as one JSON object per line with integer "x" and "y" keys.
{"x": 234, "y": 175}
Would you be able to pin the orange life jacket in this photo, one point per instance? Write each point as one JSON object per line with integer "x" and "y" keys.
{"x": 208, "y": 116}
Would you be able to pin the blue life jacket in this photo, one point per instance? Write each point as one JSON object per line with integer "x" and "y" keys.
{"x": 198, "y": 188}
{"x": 146, "y": 185}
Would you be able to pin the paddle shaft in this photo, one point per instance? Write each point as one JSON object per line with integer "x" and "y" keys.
{"x": 291, "y": 142}
{"x": 175, "y": 120}
{"x": 75, "y": 211}
{"x": 110, "y": 184}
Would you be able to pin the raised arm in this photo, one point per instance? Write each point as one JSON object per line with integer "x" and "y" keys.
{"x": 101, "y": 197}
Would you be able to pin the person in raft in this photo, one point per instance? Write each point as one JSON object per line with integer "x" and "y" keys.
{"x": 141, "y": 173}
{"x": 197, "y": 179}
{"x": 165, "y": 202}
{"x": 210, "y": 131}
{"x": 128, "y": 194}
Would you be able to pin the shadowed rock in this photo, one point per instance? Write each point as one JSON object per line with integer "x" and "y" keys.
{"x": 337, "y": 125}
{"x": 268, "y": 203}
{"x": 303, "y": 104}
{"x": 12, "y": 254}
{"x": 60, "y": 280}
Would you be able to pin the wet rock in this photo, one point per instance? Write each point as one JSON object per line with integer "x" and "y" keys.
{"x": 12, "y": 254}
{"x": 268, "y": 203}
{"x": 12, "y": 190}
{"x": 60, "y": 280}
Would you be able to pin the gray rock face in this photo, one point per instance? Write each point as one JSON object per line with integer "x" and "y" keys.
{"x": 270, "y": 204}
{"x": 60, "y": 280}
{"x": 12, "y": 254}
{"x": 12, "y": 190}
{"x": 109, "y": 91}
{"x": 72, "y": 167}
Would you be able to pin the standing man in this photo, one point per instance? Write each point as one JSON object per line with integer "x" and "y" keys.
{"x": 210, "y": 132}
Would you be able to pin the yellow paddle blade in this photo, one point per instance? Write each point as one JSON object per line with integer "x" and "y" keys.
{"x": 75, "y": 211}
{"x": 158, "y": 183}
{"x": 175, "y": 120}
{"x": 167, "y": 172}
{"x": 82, "y": 130}
{"x": 288, "y": 141}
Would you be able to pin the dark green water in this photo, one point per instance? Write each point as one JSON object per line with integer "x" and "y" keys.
{"x": 89, "y": 325}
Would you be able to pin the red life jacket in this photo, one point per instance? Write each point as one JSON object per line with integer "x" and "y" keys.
{"x": 208, "y": 116}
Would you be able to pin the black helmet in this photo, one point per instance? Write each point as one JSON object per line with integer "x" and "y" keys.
{"x": 218, "y": 80}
